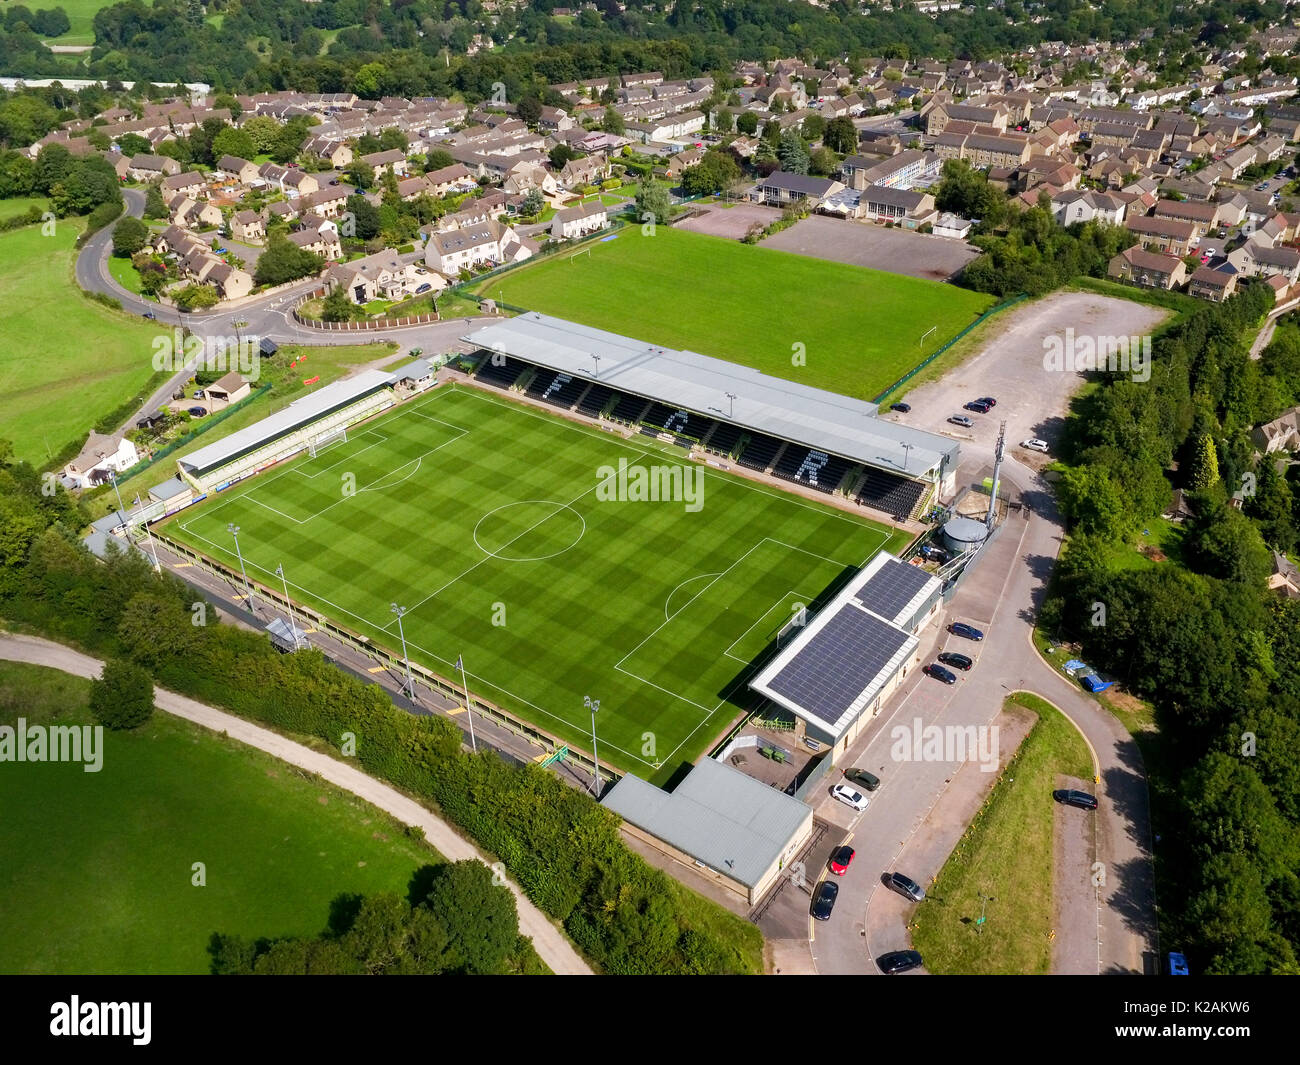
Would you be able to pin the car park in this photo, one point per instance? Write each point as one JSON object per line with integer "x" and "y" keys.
{"x": 849, "y": 797}
{"x": 968, "y": 632}
{"x": 962, "y": 420}
{"x": 1071, "y": 797}
{"x": 939, "y": 673}
{"x": 902, "y": 408}
{"x": 862, "y": 778}
{"x": 899, "y": 961}
{"x": 956, "y": 660}
{"x": 824, "y": 900}
{"x": 978, "y": 406}
{"x": 1034, "y": 444}
{"x": 841, "y": 860}
{"x": 905, "y": 886}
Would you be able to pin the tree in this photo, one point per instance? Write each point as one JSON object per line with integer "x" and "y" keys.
{"x": 338, "y": 306}
{"x": 479, "y": 916}
{"x": 196, "y": 297}
{"x": 561, "y": 154}
{"x": 1222, "y": 542}
{"x": 747, "y": 123}
{"x": 653, "y": 203}
{"x": 438, "y": 159}
{"x": 814, "y": 128}
{"x": 366, "y": 223}
{"x": 823, "y": 162}
{"x": 154, "y": 207}
{"x": 129, "y": 236}
{"x": 840, "y": 135}
{"x": 792, "y": 153}
{"x": 529, "y": 110}
{"x": 360, "y": 173}
{"x": 262, "y": 130}
{"x": 236, "y": 142}
{"x": 533, "y": 203}
{"x": 612, "y": 122}
{"x": 715, "y": 172}
{"x": 284, "y": 261}
{"x": 121, "y": 697}
{"x": 723, "y": 121}
{"x": 366, "y": 81}
{"x": 1204, "y": 472}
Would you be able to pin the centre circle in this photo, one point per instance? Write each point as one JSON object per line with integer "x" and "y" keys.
{"x": 531, "y": 530}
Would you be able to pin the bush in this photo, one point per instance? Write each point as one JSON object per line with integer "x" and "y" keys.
{"x": 121, "y": 697}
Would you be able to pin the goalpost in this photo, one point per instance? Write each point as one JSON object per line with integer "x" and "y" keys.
{"x": 325, "y": 438}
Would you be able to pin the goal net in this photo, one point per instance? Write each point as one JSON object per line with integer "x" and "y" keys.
{"x": 317, "y": 443}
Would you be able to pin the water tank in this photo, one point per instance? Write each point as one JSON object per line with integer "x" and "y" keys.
{"x": 963, "y": 534}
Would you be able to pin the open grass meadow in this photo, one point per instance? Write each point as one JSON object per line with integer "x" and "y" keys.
{"x": 830, "y": 325}
{"x": 1007, "y": 853}
{"x": 490, "y": 523}
{"x": 66, "y": 360}
{"x": 97, "y": 868}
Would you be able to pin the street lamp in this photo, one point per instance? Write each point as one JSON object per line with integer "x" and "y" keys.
{"x": 233, "y": 529}
{"x": 907, "y": 454}
{"x": 596, "y": 359}
{"x": 731, "y": 396}
{"x": 469, "y": 713}
{"x": 593, "y": 705}
{"x": 293, "y": 624}
{"x": 121, "y": 510}
{"x": 409, "y": 689}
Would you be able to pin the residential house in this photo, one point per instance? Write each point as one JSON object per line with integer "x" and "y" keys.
{"x": 1255, "y": 259}
{"x": 146, "y": 167}
{"x": 391, "y": 161}
{"x": 1209, "y": 284}
{"x": 489, "y": 242}
{"x": 191, "y": 183}
{"x": 247, "y": 226}
{"x": 450, "y": 179}
{"x": 240, "y": 171}
{"x": 578, "y": 221}
{"x": 1148, "y": 269}
{"x": 322, "y": 241}
{"x": 1281, "y": 434}
{"x": 1164, "y": 234}
{"x": 1086, "y": 205}
{"x": 382, "y": 275}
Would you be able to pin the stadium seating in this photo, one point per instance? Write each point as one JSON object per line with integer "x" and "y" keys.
{"x": 759, "y": 451}
{"x": 503, "y": 375}
{"x": 564, "y": 391}
{"x": 594, "y": 400}
{"x": 629, "y": 409}
{"x": 791, "y": 461}
{"x": 723, "y": 439}
{"x": 542, "y": 380}
{"x": 896, "y": 496}
{"x": 828, "y": 478}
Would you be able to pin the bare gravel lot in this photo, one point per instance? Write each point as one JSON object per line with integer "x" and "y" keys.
{"x": 1009, "y": 367}
{"x": 897, "y": 250}
{"x": 733, "y": 221}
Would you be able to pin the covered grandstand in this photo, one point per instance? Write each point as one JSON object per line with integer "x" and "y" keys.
{"x": 805, "y": 435}
{"x": 314, "y": 418}
{"x": 835, "y": 673}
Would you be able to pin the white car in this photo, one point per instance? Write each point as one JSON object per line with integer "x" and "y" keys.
{"x": 1034, "y": 444}
{"x": 849, "y": 797}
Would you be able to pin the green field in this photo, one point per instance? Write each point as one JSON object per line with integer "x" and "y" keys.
{"x": 856, "y": 330}
{"x": 96, "y": 867}
{"x": 66, "y": 361}
{"x": 483, "y": 518}
{"x": 81, "y": 13}
{"x": 1005, "y": 853}
{"x": 16, "y": 205}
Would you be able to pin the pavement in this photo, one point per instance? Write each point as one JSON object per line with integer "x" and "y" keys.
{"x": 550, "y": 943}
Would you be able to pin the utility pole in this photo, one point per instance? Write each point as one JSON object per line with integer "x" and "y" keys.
{"x": 409, "y": 689}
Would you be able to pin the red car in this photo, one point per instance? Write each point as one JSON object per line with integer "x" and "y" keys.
{"x": 841, "y": 860}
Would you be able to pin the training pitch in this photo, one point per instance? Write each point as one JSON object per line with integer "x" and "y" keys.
{"x": 830, "y": 325}
{"x": 491, "y": 523}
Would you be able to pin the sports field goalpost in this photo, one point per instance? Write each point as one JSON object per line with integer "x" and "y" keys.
{"x": 325, "y": 438}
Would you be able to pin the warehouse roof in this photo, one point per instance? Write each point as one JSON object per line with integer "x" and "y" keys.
{"x": 730, "y": 822}
{"x": 785, "y": 409}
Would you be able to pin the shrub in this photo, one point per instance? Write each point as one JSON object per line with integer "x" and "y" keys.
{"x": 121, "y": 697}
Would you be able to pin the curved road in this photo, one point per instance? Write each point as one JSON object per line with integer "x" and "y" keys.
{"x": 550, "y": 943}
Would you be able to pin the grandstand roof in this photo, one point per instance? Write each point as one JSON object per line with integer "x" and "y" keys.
{"x": 730, "y": 822}
{"x": 785, "y": 409}
{"x": 837, "y": 665}
{"x": 297, "y": 414}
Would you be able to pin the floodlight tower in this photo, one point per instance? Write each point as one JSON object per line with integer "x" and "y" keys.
{"x": 997, "y": 468}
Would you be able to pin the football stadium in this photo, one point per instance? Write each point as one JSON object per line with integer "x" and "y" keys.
{"x": 576, "y": 521}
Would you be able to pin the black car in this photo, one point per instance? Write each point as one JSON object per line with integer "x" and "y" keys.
{"x": 939, "y": 673}
{"x": 150, "y": 315}
{"x": 956, "y": 660}
{"x": 1081, "y": 799}
{"x": 902, "y": 408}
{"x": 978, "y": 406}
{"x": 899, "y": 961}
{"x": 989, "y": 400}
{"x": 970, "y": 632}
{"x": 905, "y": 886}
{"x": 824, "y": 900}
{"x": 862, "y": 778}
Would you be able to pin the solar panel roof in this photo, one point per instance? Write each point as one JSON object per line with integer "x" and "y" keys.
{"x": 892, "y": 588}
{"x": 832, "y": 670}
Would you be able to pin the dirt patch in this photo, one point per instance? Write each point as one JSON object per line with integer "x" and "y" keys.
{"x": 733, "y": 221}
{"x": 899, "y": 251}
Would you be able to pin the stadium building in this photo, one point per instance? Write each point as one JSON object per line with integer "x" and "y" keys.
{"x": 801, "y": 434}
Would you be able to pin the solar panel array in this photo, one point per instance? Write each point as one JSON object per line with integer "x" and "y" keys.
{"x": 892, "y": 587}
{"x": 838, "y": 663}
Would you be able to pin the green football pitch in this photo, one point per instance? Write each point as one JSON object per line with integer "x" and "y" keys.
{"x": 826, "y": 324}
{"x": 488, "y": 521}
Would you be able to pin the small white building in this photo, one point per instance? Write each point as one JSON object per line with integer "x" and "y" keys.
{"x": 952, "y": 226}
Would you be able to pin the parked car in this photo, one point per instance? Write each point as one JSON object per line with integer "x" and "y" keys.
{"x": 902, "y": 408}
{"x": 1071, "y": 797}
{"x": 969, "y": 632}
{"x": 899, "y": 961}
{"x": 1034, "y": 444}
{"x": 939, "y": 673}
{"x": 196, "y": 412}
{"x": 841, "y": 860}
{"x": 150, "y": 315}
{"x": 849, "y": 797}
{"x": 824, "y": 900}
{"x": 988, "y": 400}
{"x": 200, "y": 393}
{"x": 1262, "y": 186}
{"x": 956, "y": 660}
{"x": 978, "y": 406}
{"x": 905, "y": 886}
{"x": 416, "y": 352}
{"x": 862, "y": 778}
{"x": 962, "y": 420}
{"x": 423, "y": 288}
